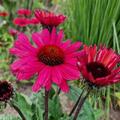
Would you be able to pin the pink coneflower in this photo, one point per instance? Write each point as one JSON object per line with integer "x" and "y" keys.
{"x": 99, "y": 67}
{"x": 23, "y": 11}
{"x": 6, "y": 91}
{"x": 22, "y": 22}
{"x": 13, "y": 32}
{"x": 52, "y": 60}
{"x": 49, "y": 19}
{"x": 34, "y": 21}
{"x": 3, "y": 14}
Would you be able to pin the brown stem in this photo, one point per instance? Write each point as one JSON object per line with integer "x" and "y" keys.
{"x": 74, "y": 107}
{"x": 80, "y": 104}
{"x": 19, "y": 112}
{"x": 46, "y": 104}
{"x": 58, "y": 92}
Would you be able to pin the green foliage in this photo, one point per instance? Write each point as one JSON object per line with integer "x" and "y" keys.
{"x": 32, "y": 107}
{"x": 91, "y": 21}
{"x": 87, "y": 112}
{"x": 9, "y": 117}
{"x": 117, "y": 94}
{"x": 55, "y": 108}
{"x": 23, "y": 102}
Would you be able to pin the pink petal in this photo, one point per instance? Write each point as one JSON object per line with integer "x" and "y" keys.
{"x": 74, "y": 47}
{"x": 45, "y": 36}
{"x": 69, "y": 72}
{"x": 60, "y": 37}
{"x": 65, "y": 44}
{"x": 53, "y": 36}
{"x": 56, "y": 75}
{"x": 64, "y": 86}
{"x": 37, "y": 39}
{"x": 42, "y": 77}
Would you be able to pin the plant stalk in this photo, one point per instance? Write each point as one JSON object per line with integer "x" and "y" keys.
{"x": 80, "y": 104}
{"x": 74, "y": 107}
{"x": 18, "y": 111}
{"x": 46, "y": 104}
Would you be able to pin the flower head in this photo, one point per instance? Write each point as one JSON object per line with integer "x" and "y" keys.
{"x": 13, "y": 32}
{"x": 34, "y": 21}
{"x": 22, "y": 22}
{"x": 98, "y": 67}
{"x": 49, "y": 19}
{"x": 52, "y": 60}
{"x": 23, "y": 11}
{"x": 6, "y": 91}
{"x": 3, "y": 14}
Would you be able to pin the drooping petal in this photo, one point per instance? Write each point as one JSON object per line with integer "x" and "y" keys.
{"x": 64, "y": 86}
{"x": 56, "y": 75}
{"x": 42, "y": 77}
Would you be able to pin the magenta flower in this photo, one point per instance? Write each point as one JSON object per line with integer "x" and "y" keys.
{"x": 99, "y": 67}
{"x": 23, "y": 11}
{"x": 34, "y": 21}
{"x": 49, "y": 18}
{"x": 52, "y": 60}
{"x": 22, "y": 22}
{"x": 4, "y": 14}
{"x": 13, "y": 32}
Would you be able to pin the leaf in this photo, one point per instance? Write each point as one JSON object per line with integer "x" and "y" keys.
{"x": 9, "y": 117}
{"x": 117, "y": 94}
{"x": 87, "y": 112}
{"x": 38, "y": 112}
{"x": 23, "y": 102}
{"x": 55, "y": 109}
{"x": 74, "y": 93}
{"x": 37, "y": 105}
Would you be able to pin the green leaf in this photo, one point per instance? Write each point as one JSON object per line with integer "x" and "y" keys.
{"x": 55, "y": 109}
{"x": 117, "y": 94}
{"x": 87, "y": 112}
{"x": 23, "y": 102}
{"x": 74, "y": 93}
{"x": 9, "y": 117}
{"x": 37, "y": 105}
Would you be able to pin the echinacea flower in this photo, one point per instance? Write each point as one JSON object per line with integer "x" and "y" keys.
{"x": 13, "y": 32}
{"x": 22, "y": 22}
{"x": 3, "y": 14}
{"x": 6, "y": 91}
{"x": 49, "y": 19}
{"x": 34, "y": 21}
{"x": 23, "y": 11}
{"x": 52, "y": 60}
{"x": 99, "y": 66}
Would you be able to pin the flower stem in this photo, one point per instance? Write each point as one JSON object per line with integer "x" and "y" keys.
{"x": 46, "y": 104}
{"x": 74, "y": 107}
{"x": 58, "y": 92}
{"x": 18, "y": 111}
{"x": 80, "y": 104}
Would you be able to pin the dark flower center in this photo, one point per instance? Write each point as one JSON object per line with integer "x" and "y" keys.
{"x": 6, "y": 91}
{"x": 51, "y": 55}
{"x": 98, "y": 70}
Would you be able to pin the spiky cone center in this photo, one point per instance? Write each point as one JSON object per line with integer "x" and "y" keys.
{"x": 6, "y": 91}
{"x": 97, "y": 69}
{"x": 51, "y": 55}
